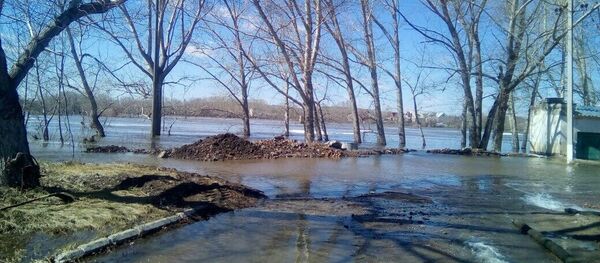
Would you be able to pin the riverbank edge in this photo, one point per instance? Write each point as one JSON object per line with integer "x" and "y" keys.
{"x": 136, "y": 232}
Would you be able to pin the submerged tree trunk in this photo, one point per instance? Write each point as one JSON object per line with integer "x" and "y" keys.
{"x": 323, "y": 126}
{"x": 419, "y": 122}
{"x": 319, "y": 134}
{"x": 354, "y": 107}
{"x": 489, "y": 122}
{"x": 463, "y": 126}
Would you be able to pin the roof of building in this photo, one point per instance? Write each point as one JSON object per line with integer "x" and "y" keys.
{"x": 587, "y": 111}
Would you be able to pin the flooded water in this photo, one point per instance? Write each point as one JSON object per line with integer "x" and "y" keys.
{"x": 415, "y": 207}
{"x": 134, "y": 132}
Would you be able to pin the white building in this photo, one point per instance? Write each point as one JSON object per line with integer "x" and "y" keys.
{"x": 547, "y": 130}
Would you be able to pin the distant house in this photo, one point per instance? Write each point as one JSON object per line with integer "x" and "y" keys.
{"x": 547, "y": 130}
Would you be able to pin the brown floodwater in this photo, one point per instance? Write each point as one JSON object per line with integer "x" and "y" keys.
{"x": 415, "y": 207}
{"x": 371, "y": 209}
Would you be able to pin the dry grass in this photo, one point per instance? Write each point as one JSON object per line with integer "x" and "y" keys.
{"x": 51, "y": 217}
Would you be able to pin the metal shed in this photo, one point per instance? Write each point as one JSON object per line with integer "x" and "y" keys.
{"x": 547, "y": 130}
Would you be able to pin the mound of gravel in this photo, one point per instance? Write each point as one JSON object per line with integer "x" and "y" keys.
{"x": 231, "y": 147}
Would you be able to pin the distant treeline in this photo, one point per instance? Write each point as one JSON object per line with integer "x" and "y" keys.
{"x": 219, "y": 107}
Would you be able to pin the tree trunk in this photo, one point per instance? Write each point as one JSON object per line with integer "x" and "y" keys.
{"x": 498, "y": 129}
{"x": 309, "y": 105}
{"x": 336, "y": 33}
{"x": 95, "y": 119}
{"x": 489, "y": 122}
{"x": 398, "y": 76}
{"x": 355, "y": 118}
{"x": 246, "y": 120}
{"x": 23, "y": 171}
{"x": 513, "y": 125}
{"x": 94, "y": 116}
{"x": 323, "y": 126}
{"x": 478, "y": 86}
{"x": 45, "y": 134}
{"x": 157, "y": 72}
{"x": 400, "y": 108}
{"x": 246, "y": 110}
{"x": 286, "y": 120}
{"x": 419, "y": 122}
{"x": 60, "y": 131}
{"x": 372, "y": 63}
{"x": 318, "y": 124}
{"x": 156, "y": 105}
{"x": 463, "y": 126}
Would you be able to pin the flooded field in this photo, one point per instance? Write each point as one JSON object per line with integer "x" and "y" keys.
{"x": 415, "y": 207}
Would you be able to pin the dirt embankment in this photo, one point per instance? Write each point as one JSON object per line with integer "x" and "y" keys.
{"x": 231, "y": 147}
{"x": 107, "y": 198}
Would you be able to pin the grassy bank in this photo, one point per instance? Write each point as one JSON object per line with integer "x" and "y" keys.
{"x": 108, "y": 198}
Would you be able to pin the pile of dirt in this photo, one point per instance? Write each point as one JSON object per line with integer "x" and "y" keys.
{"x": 216, "y": 148}
{"x": 282, "y": 148}
{"x": 231, "y": 147}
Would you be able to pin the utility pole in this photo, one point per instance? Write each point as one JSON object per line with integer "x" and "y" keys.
{"x": 569, "y": 76}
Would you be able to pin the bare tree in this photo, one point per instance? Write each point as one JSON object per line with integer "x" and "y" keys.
{"x": 87, "y": 88}
{"x": 228, "y": 45}
{"x": 394, "y": 38}
{"x": 40, "y": 92}
{"x": 160, "y": 31}
{"x": 334, "y": 28}
{"x": 453, "y": 41}
{"x": 371, "y": 62}
{"x": 12, "y": 124}
{"x": 417, "y": 89}
{"x": 298, "y": 48}
{"x": 524, "y": 54}
{"x": 286, "y": 117}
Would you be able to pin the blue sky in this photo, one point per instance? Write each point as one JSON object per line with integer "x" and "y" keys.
{"x": 412, "y": 47}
